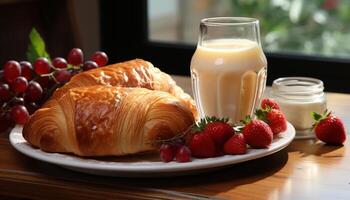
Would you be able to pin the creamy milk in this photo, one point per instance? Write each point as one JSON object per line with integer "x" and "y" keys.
{"x": 228, "y": 77}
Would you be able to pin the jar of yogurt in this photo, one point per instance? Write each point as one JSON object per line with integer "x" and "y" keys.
{"x": 298, "y": 97}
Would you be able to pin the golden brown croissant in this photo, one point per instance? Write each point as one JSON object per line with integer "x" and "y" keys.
{"x": 104, "y": 120}
{"x": 133, "y": 73}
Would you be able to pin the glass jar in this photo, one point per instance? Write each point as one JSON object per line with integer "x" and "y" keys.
{"x": 228, "y": 68}
{"x": 298, "y": 97}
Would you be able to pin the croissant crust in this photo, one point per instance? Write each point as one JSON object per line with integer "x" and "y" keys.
{"x": 103, "y": 120}
{"x": 133, "y": 73}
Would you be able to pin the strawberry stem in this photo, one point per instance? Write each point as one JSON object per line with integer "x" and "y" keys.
{"x": 246, "y": 120}
{"x": 319, "y": 117}
{"x": 261, "y": 113}
{"x": 204, "y": 121}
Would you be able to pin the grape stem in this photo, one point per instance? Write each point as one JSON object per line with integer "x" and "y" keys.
{"x": 5, "y": 106}
{"x": 175, "y": 138}
{"x": 49, "y": 92}
{"x": 46, "y": 75}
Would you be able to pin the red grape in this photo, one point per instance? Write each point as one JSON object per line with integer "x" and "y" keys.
{"x": 63, "y": 76}
{"x": 4, "y": 92}
{"x": 167, "y": 152}
{"x": 44, "y": 81}
{"x": 2, "y": 76}
{"x": 32, "y": 107}
{"x": 183, "y": 154}
{"x": 34, "y": 92}
{"x": 100, "y": 58}
{"x": 42, "y": 66}
{"x": 89, "y": 65}
{"x": 26, "y": 70}
{"x": 6, "y": 121}
{"x": 20, "y": 84}
{"x": 12, "y": 70}
{"x": 75, "y": 56}
{"x": 20, "y": 114}
{"x": 60, "y": 63}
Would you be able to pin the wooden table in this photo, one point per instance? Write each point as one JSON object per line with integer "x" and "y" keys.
{"x": 307, "y": 169}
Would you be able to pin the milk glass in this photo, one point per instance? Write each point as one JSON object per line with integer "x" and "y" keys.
{"x": 228, "y": 68}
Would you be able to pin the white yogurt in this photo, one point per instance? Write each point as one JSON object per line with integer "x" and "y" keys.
{"x": 298, "y": 97}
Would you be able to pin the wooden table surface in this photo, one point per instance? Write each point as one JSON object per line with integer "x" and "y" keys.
{"x": 306, "y": 169}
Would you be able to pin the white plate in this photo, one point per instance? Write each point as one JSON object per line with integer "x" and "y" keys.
{"x": 144, "y": 165}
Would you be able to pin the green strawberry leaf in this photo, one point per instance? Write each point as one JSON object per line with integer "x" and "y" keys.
{"x": 36, "y": 47}
{"x": 326, "y": 113}
{"x": 316, "y": 116}
{"x": 261, "y": 113}
{"x": 319, "y": 117}
{"x": 206, "y": 120}
{"x": 246, "y": 120}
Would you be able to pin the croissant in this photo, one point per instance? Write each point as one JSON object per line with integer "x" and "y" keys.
{"x": 133, "y": 73}
{"x": 104, "y": 121}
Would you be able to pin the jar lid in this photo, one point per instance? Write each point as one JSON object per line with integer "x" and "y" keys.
{"x": 298, "y": 86}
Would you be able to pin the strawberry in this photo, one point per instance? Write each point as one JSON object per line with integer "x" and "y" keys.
{"x": 235, "y": 145}
{"x": 329, "y": 128}
{"x": 202, "y": 145}
{"x": 257, "y": 133}
{"x": 269, "y": 103}
{"x": 274, "y": 118}
{"x": 220, "y": 132}
{"x": 218, "y": 129}
{"x": 277, "y": 121}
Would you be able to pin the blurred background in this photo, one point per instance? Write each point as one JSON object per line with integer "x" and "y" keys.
{"x": 317, "y": 27}
{"x": 299, "y": 37}
{"x": 63, "y": 24}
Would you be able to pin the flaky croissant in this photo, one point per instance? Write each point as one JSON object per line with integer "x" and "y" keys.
{"x": 133, "y": 73}
{"x": 104, "y": 120}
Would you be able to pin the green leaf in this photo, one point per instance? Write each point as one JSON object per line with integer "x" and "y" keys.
{"x": 317, "y": 117}
{"x": 206, "y": 120}
{"x": 246, "y": 120}
{"x": 36, "y": 47}
{"x": 262, "y": 113}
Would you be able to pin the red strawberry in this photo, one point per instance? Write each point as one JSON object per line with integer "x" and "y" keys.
{"x": 274, "y": 118}
{"x": 220, "y": 132}
{"x": 277, "y": 121}
{"x": 202, "y": 145}
{"x": 269, "y": 103}
{"x": 257, "y": 133}
{"x": 235, "y": 145}
{"x": 329, "y": 128}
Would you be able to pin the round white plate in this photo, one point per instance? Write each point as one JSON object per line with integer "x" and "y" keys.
{"x": 144, "y": 165}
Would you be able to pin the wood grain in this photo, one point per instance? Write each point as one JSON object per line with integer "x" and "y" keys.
{"x": 307, "y": 169}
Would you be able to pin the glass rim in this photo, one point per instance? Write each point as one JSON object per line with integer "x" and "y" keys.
{"x": 228, "y": 21}
{"x": 297, "y": 85}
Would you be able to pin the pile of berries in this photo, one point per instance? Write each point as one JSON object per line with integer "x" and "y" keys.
{"x": 213, "y": 137}
{"x": 25, "y": 86}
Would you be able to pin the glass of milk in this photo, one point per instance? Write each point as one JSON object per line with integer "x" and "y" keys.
{"x": 229, "y": 68}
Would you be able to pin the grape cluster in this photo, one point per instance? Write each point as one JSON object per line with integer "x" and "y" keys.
{"x": 25, "y": 87}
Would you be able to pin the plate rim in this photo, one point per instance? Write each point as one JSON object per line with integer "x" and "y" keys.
{"x": 201, "y": 164}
